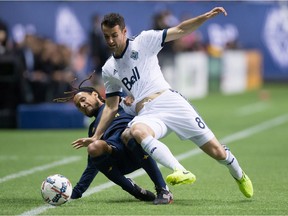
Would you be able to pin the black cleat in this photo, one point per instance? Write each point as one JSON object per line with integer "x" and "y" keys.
{"x": 142, "y": 194}
{"x": 164, "y": 196}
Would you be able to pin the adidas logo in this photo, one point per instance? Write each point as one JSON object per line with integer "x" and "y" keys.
{"x": 153, "y": 150}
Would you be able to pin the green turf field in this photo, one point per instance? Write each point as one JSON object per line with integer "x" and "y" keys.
{"x": 254, "y": 125}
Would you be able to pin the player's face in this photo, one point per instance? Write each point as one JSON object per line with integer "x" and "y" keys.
{"x": 87, "y": 103}
{"x": 115, "y": 39}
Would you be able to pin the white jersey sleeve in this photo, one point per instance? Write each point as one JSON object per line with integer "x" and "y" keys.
{"x": 111, "y": 84}
{"x": 153, "y": 40}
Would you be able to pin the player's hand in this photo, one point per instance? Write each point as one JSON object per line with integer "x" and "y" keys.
{"x": 128, "y": 100}
{"x": 82, "y": 142}
{"x": 216, "y": 11}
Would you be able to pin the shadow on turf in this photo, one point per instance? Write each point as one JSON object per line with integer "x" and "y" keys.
{"x": 122, "y": 201}
{"x": 201, "y": 202}
{"x": 178, "y": 202}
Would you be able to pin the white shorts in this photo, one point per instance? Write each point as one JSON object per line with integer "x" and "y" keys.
{"x": 172, "y": 112}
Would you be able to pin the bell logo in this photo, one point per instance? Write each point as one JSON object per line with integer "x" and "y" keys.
{"x": 129, "y": 82}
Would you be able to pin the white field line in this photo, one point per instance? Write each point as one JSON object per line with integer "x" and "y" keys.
{"x": 255, "y": 129}
{"x": 233, "y": 137}
{"x": 40, "y": 168}
{"x": 252, "y": 108}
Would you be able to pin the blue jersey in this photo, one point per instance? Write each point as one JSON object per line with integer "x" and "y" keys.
{"x": 113, "y": 167}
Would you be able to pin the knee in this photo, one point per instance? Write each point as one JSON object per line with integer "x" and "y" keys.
{"x": 97, "y": 148}
{"x": 136, "y": 131}
{"x": 93, "y": 150}
{"x": 140, "y": 131}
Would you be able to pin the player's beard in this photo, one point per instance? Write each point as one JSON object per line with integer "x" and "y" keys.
{"x": 92, "y": 110}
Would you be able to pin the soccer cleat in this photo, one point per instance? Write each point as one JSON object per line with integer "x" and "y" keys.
{"x": 245, "y": 186}
{"x": 164, "y": 196}
{"x": 76, "y": 193}
{"x": 142, "y": 194}
{"x": 179, "y": 177}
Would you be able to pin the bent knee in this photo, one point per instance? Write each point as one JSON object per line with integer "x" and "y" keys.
{"x": 97, "y": 148}
{"x": 141, "y": 131}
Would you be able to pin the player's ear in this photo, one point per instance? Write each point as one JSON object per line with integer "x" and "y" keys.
{"x": 124, "y": 31}
{"x": 95, "y": 94}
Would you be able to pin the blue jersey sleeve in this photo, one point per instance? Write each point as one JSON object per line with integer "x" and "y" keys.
{"x": 86, "y": 179}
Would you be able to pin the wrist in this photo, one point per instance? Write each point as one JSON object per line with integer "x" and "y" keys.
{"x": 97, "y": 137}
{"x": 207, "y": 15}
{"x": 94, "y": 138}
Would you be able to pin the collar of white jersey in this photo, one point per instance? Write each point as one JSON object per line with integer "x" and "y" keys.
{"x": 122, "y": 54}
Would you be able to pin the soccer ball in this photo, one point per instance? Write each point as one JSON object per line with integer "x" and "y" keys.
{"x": 56, "y": 189}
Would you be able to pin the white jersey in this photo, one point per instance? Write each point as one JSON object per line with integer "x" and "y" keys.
{"x": 138, "y": 73}
{"x": 137, "y": 70}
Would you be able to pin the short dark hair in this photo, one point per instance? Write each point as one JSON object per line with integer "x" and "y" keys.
{"x": 113, "y": 19}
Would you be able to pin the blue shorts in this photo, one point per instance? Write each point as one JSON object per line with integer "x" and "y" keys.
{"x": 115, "y": 140}
{"x": 123, "y": 158}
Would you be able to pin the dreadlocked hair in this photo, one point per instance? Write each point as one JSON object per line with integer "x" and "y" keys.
{"x": 75, "y": 91}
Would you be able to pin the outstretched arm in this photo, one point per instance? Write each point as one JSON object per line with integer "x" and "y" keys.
{"x": 85, "y": 180}
{"x": 188, "y": 26}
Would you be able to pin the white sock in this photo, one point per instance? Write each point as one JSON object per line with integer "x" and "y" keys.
{"x": 160, "y": 153}
{"x": 232, "y": 164}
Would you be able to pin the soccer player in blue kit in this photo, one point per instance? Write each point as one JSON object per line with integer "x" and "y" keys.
{"x": 111, "y": 157}
{"x": 134, "y": 68}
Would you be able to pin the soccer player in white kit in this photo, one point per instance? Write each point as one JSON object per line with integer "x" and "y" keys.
{"x": 134, "y": 68}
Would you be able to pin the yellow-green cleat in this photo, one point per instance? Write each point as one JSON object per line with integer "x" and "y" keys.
{"x": 245, "y": 186}
{"x": 179, "y": 177}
